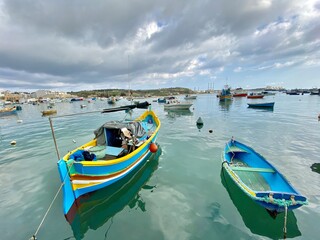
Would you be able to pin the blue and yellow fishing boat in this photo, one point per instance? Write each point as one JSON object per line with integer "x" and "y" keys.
{"x": 225, "y": 94}
{"x": 259, "y": 179}
{"x": 117, "y": 149}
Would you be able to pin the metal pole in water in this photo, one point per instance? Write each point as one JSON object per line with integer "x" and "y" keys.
{"x": 54, "y": 138}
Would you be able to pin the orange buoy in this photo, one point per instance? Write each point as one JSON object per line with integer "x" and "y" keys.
{"x": 153, "y": 147}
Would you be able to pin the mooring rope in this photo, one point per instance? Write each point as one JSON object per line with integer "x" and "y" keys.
{"x": 51, "y": 204}
{"x": 45, "y": 215}
{"x": 285, "y": 222}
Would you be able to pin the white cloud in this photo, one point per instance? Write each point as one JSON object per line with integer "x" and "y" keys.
{"x": 107, "y": 41}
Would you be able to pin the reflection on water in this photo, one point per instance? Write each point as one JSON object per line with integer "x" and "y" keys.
{"x": 225, "y": 105}
{"x": 261, "y": 109}
{"x": 93, "y": 210}
{"x": 256, "y": 218}
{"x": 315, "y": 167}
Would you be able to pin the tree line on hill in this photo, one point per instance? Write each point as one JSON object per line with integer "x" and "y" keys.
{"x": 133, "y": 93}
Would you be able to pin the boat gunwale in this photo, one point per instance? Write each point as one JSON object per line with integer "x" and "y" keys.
{"x": 121, "y": 159}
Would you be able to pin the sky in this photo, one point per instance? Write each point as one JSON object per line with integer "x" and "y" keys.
{"x": 141, "y": 44}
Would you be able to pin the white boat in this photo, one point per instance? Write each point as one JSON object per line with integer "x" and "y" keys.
{"x": 174, "y": 104}
{"x": 190, "y": 97}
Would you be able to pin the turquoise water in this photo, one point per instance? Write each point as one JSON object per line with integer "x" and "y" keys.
{"x": 181, "y": 194}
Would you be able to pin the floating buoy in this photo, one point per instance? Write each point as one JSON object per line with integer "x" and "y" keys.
{"x": 210, "y": 131}
{"x": 74, "y": 141}
{"x": 13, "y": 142}
{"x": 199, "y": 121}
{"x": 19, "y": 121}
{"x": 153, "y": 147}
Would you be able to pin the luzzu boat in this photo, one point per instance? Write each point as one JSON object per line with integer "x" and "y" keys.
{"x": 225, "y": 94}
{"x": 259, "y": 179}
{"x": 117, "y": 149}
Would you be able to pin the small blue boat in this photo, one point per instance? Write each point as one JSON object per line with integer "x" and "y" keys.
{"x": 8, "y": 111}
{"x": 259, "y": 179}
{"x": 162, "y": 100}
{"x": 261, "y": 105}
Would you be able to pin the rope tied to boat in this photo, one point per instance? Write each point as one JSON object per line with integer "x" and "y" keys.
{"x": 281, "y": 202}
{"x": 285, "y": 222}
{"x": 51, "y": 204}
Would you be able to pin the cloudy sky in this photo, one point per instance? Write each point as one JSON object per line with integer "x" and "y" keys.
{"x": 144, "y": 44}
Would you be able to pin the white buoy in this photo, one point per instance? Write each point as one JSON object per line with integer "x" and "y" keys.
{"x": 13, "y": 142}
{"x": 19, "y": 121}
{"x": 74, "y": 141}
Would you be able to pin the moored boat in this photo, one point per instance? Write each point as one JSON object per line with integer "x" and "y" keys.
{"x": 190, "y": 97}
{"x": 268, "y": 93}
{"x": 239, "y": 92}
{"x": 261, "y": 105}
{"x": 161, "y": 100}
{"x": 174, "y": 104}
{"x": 117, "y": 149}
{"x": 259, "y": 179}
{"x": 49, "y": 112}
{"x": 8, "y": 111}
{"x": 111, "y": 100}
{"x": 225, "y": 94}
{"x": 255, "y": 95}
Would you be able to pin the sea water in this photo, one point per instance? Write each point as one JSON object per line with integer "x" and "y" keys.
{"x": 179, "y": 194}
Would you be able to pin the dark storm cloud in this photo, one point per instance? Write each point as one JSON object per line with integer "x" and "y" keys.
{"x": 66, "y": 44}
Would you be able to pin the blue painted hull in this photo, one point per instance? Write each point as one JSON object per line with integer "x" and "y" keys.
{"x": 259, "y": 179}
{"x": 261, "y": 105}
{"x": 8, "y": 113}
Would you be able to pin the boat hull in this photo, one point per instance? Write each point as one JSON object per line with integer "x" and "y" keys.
{"x": 8, "y": 111}
{"x": 82, "y": 177}
{"x": 261, "y": 105}
{"x": 239, "y": 94}
{"x": 255, "y": 96}
{"x": 258, "y": 179}
{"x": 180, "y": 106}
{"x": 225, "y": 97}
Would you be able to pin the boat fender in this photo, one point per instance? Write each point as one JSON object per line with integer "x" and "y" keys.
{"x": 292, "y": 200}
{"x": 153, "y": 147}
{"x": 199, "y": 121}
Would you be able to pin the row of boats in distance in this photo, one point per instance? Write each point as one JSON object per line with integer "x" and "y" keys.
{"x": 227, "y": 95}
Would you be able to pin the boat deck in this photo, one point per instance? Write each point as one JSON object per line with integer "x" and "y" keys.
{"x": 251, "y": 176}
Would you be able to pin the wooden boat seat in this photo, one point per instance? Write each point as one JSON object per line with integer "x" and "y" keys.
{"x": 252, "y": 169}
{"x": 236, "y": 149}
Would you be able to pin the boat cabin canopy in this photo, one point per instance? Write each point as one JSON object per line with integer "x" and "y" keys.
{"x": 110, "y": 132}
